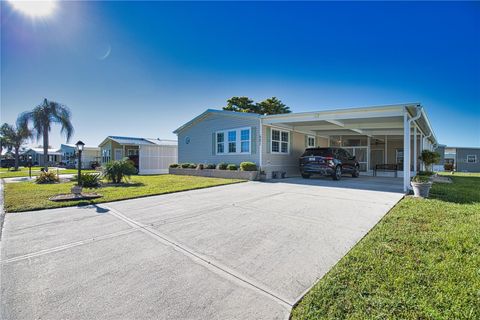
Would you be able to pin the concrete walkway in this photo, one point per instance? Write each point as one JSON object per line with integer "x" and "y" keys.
{"x": 25, "y": 179}
{"x": 244, "y": 251}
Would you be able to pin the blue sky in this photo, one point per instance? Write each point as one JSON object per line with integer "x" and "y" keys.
{"x": 170, "y": 61}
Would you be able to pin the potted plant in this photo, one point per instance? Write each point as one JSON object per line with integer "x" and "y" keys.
{"x": 421, "y": 185}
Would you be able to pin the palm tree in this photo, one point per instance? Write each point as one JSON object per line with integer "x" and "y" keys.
{"x": 14, "y": 137}
{"x": 42, "y": 118}
{"x": 3, "y": 141}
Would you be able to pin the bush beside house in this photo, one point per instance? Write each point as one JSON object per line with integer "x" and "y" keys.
{"x": 248, "y": 170}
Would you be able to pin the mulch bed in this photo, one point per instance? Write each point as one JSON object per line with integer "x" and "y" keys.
{"x": 72, "y": 197}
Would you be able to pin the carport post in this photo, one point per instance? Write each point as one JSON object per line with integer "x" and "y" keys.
{"x": 406, "y": 151}
{"x": 415, "y": 149}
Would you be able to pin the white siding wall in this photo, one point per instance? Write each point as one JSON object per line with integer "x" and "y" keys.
{"x": 200, "y": 146}
{"x": 155, "y": 159}
{"x": 286, "y": 162}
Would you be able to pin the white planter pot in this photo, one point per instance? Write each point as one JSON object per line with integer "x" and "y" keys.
{"x": 421, "y": 189}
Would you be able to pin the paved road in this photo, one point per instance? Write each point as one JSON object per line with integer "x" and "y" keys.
{"x": 244, "y": 251}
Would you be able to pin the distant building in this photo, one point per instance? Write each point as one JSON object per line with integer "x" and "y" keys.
{"x": 54, "y": 156}
{"x": 90, "y": 156}
{"x": 463, "y": 159}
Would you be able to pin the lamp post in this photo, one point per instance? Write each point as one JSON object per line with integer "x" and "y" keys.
{"x": 79, "y": 146}
{"x": 30, "y": 166}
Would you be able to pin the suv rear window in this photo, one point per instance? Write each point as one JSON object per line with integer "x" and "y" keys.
{"x": 319, "y": 152}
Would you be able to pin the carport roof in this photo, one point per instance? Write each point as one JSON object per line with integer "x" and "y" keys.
{"x": 370, "y": 121}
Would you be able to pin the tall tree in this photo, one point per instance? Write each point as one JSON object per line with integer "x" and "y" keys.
{"x": 42, "y": 117}
{"x": 15, "y": 137}
{"x": 272, "y": 106}
{"x": 244, "y": 104}
{"x": 4, "y": 143}
{"x": 241, "y": 104}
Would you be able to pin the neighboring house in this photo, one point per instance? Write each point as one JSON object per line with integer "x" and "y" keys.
{"x": 54, "y": 156}
{"x": 374, "y": 135}
{"x": 463, "y": 159}
{"x": 90, "y": 155}
{"x": 151, "y": 156}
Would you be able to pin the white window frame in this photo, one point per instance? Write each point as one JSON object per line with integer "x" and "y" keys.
{"x": 280, "y": 141}
{"x": 314, "y": 141}
{"x": 474, "y": 158}
{"x": 238, "y": 141}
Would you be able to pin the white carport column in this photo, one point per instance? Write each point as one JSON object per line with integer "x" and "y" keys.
{"x": 406, "y": 152}
{"x": 421, "y": 149}
{"x": 415, "y": 156}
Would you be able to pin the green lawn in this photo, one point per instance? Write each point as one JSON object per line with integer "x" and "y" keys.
{"x": 422, "y": 261}
{"x": 24, "y": 196}
{"x": 23, "y": 172}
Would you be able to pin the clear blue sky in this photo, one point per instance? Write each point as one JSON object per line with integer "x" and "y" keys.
{"x": 171, "y": 61}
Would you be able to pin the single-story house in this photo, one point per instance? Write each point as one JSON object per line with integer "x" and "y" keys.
{"x": 151, "y": 156}
{"x": 54, "y": 156}
{"x": 390, "y": 134}
{"x": 464, "y": 159}
{"x": 90, "y": 155}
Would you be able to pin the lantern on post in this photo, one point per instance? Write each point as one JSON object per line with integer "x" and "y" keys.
{"x": 79, "y": 145}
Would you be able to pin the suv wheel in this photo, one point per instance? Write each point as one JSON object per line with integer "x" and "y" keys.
{"x": 356, "y": 172}
{"x": 305, "y": 176}
{"x": 337, "y": 175}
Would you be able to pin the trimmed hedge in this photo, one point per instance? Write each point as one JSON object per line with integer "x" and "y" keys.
{"x": 232, "y": 167}
{"x": 222, "y": 166}
{"x": 248, "y": 166}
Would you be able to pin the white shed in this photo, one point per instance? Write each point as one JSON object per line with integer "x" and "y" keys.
{"x": 151, "y": 156}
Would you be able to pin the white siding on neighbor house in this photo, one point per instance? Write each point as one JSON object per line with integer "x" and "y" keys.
{"x": 286, "y": 162}
{"x": 155, "y": 159}
{"x": 201, "y": 146}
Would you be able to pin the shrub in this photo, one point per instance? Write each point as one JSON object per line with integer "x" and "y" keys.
{"x": 200, "y": 166}
{"x": 248, "y": 166}
{"x": 210, "y": 166}
{"x": 232, "y": 167}
{"x": 448, "y": 166}
{"x": 185, "y": 165}
{"x": 429, "y": 158}
{"x": 174, "y": 165}
{"x": 192, "y": 166}
{"x": 421, "y": 179}
{"x": 119, "y": 170}
{"x": 47, "y": 177}
{"x": 89, "y": 180}
{"x": 425, "y": 173}
{"x": 222, "y": 166}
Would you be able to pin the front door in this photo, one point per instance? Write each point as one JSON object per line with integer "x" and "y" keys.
{"x": 118, "y": 154}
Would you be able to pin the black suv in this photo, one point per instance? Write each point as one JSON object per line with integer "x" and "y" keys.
{"x": 328, "y": 162}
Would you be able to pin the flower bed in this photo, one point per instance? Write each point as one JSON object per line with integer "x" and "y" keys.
{"x": 214, "y": 173}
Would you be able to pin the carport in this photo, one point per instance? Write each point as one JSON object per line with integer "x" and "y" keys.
{"x": 379, "y": 137}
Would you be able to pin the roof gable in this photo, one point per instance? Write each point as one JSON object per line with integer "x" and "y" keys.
{"x": 208, "y": 112}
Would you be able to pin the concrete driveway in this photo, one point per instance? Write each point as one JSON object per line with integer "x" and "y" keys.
{"x": 244, "y": 251}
